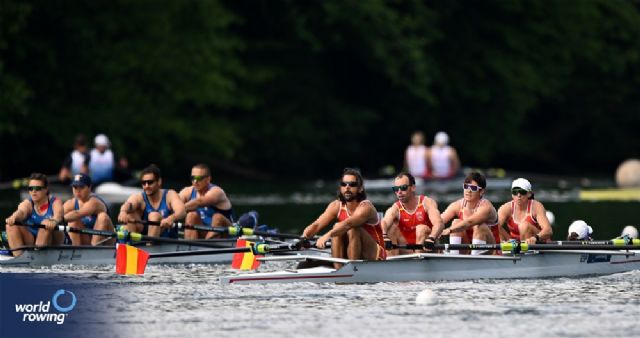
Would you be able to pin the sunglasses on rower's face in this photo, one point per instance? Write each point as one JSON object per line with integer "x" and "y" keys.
{"x": 349, "y": 184}
{"x": 198, "y": 178}
{"x": 397, "y": 188}
{"x": 147, "y": 182}
{"x": 518, "y": 191}
{"x": 35, "y": 187}
{"x": 471, "y": 187}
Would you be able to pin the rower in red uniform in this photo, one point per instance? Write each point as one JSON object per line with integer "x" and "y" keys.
{"x": 526, "y": 217}
{"x": 476, "y": 217}
{"x": 357, "y": 234}
{"x": 411, "y": 219}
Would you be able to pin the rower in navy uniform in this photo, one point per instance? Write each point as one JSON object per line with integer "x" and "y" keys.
{"x": 39, "y": 208}
{"x": 153, "y": 204}
{"x": 87, "y": 210}
{"x": 205, "y": 203}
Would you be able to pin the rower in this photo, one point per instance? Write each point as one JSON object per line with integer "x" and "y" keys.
{"x": 153, "y": 204}
{"x": 87, "y": 210}
{"x": 476, "y": 216}
{"x": 205, "y": 203}
{"x": 526, "y": 217}
{"x": 579, "y": 231}
{"x": 38, "y": 208}
{"x": 357, "y": 234}
{"x": 411, "y": 219}
{"x": 442, "y": 159}
{"x": 415, "y": 156}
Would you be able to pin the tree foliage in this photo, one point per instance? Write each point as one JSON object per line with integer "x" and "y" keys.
{"x": 304, "y": 88}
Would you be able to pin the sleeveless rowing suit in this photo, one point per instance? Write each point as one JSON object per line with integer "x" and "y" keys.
{"x": 468, "y": 234}
{"x": 441, "y": 162}
{"x": 164, "y": 211}
{"x": 374, "y": 230}
{"x": 35, "y": 218}
{"x": 407, "y": 221}
{"x": 416, "y": 160}
{"x": 90, "y": 221}
{"x": 101, "y": 166}
{"x": 206, "y": 212}
{"x": 514, "y": 232}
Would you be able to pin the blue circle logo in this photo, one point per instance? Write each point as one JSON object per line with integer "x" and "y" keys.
{"x": 59, "y": 293}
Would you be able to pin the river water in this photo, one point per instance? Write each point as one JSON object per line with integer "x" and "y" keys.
{"x": 187, "y": 301}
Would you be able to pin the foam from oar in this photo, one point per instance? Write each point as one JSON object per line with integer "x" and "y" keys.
{"x": 130, "y": 260}
{"x": 245, "y": 260}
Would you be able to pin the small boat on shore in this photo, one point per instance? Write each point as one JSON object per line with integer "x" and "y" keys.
{"x": 437, "y": 267}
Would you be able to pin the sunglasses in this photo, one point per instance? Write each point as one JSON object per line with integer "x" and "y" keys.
{"x": 35, "y": 187}
{"x": 198, "y": 178}
{"x": 397, "y": 188}
{"x": 517, "y": 191}
{"x": 471, "y": 187}
{"x": 147, "y": 182}
{"x": 349, "y": 184}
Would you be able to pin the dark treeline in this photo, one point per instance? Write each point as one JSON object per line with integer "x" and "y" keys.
{"x": 304, "y": 88}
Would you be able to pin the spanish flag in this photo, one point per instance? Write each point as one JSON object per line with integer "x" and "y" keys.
{"x": 130, "y": 260}
{"x": 244, "y": 260}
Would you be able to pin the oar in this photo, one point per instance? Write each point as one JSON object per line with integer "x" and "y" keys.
{"x": 237, "y": 230}
{"x": 133, "y": 236}
{"x": 132, "y": 260}
{"x": 517, "y": 247}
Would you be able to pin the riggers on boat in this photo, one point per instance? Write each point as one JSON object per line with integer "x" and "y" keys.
{"x": 436, "y": 267}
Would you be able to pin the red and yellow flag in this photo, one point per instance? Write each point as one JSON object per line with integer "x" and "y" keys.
{"x": 130, "y": 260}
{"x": 244, "y": 260}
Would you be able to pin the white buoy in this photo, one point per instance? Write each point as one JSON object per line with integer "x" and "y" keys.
{"x": 426, "y": 297}
{"x": 551, "y": 217}
{"x": 630, "y": 231}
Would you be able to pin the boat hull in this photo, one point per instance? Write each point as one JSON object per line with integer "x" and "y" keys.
{"x": 105, "y": 255}
{"x": 436, "y": 267}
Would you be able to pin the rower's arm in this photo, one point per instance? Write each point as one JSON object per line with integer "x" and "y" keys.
{"x": 503, "y": 215}
{"x": 176, "y": 204}
{"x": 363, "y": 213}
{"x": 450, "y": 212}
{"x": 434, "y": 216}
{"x": 390, "y": 219}
{"x": 541, "y": 217}
{"x": 131, "y": 205}
{"x": 22, "y": 212}
{"x": 213, "y": 197}
{"x": 480, "y": 216}
{"x": 87, "y": 209}
{"x": 325, "y": 218}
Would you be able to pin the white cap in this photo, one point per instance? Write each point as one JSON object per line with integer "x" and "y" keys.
{"x": 101, "y": 140}
{"x": 441, "y": 138}
{"x": 521, "y": 183}
{"x": 630, "y": 231}
{"x": 581, "y": 228}
{"x": 551, "y": 217}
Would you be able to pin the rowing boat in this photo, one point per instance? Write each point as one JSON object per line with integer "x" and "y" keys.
{"x": 105, "y": 255}
{"x": 436, "y": 267}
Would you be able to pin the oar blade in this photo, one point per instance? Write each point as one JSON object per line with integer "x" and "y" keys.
{"x": 130, "y": 260}
{"x": 244, "y": 260}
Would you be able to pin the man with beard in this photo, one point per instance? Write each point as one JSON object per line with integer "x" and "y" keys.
{"x": 153, "y": 204}
{"x": 412, "y": 219}
{"x": 357, "y": 234}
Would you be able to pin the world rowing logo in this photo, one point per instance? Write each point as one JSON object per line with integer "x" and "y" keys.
{"x": 63, "y": 301}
